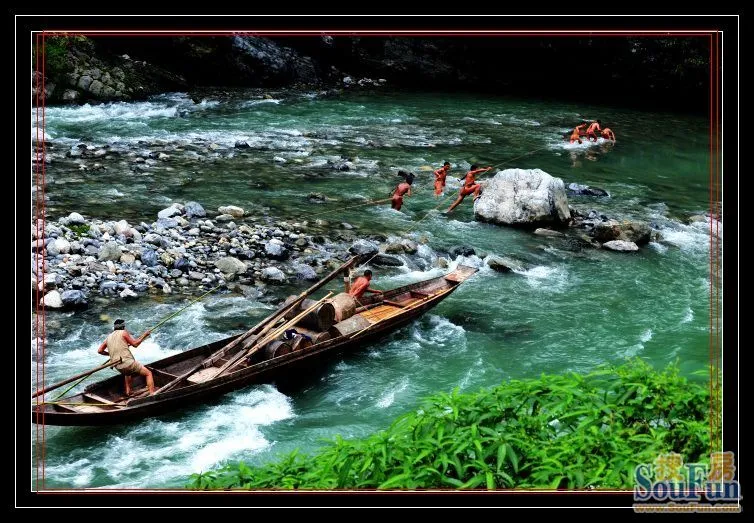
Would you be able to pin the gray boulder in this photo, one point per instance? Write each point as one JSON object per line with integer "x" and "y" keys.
{"x": 76, "y": 219}
{"x": 276, "y": 250}
{"x": 620, "y": 245}
{"x": 59, "y": 246}
{"x": 504, "y": 264}
{"x": 305, "y": 272}
{"x": 523, "y": 197}
{"x": 149, "y": 257}
{"x": 233, "y": 210}
{"x": 194, "y": 209}
{"x": 462, "y": 250}
{"x": 122, "y": 227}
{"x": 363, "y": 248}
{"x": 52, "y": 300}
{"x": 636, "y": 232}
{"x": 169, "y": 212}
{"x": 73, "y": 299}
{"x": 181, "y": 264}
{"x": 230, "y": 265}
{"x": 386, "y": 260}
{"x": 548, "y": 232}
{"x": 166, "y": 223}
{"x": 273, "y": 274}
{"x": 585, "y": 190}
{"x": 109, "y": 251}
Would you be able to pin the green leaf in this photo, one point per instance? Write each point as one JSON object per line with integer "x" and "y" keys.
{"x": 474, "y": 482}
{"x": 343, "y": 476}
{"x": 453, "y": 481}
{"x": 392, "y": 482}
{"x": 513, "y": 458}
{"x": 501, "y": 456}
{"x": 490, "y": 481}
{"x": 556, "y": 482}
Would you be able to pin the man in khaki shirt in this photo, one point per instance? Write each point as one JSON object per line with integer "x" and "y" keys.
{"x": 117, "y": 344}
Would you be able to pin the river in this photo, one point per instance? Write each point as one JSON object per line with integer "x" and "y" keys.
{"x": 569, "y": 311}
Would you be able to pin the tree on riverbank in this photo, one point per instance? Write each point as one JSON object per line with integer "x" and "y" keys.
{"x": 568, "y": 432}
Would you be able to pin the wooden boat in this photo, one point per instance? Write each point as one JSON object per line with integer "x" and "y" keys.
{"x": 105, "y": 403}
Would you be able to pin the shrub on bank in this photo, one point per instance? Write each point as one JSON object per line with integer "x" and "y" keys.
{"x": 556, "y": 431}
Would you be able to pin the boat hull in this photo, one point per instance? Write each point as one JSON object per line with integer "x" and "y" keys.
{"x": 264, "y": 372}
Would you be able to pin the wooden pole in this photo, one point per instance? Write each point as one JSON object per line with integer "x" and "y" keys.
{"x": 258, "y": 330}
{"x": 235, "y": 360}
{"x": 74, "y": 378}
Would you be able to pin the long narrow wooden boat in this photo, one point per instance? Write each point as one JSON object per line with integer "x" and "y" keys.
{"x": 105, "y": 403}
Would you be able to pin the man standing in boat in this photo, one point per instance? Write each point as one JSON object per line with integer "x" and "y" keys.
{"x": 361, "y": 285}
{"x": 117, "y": 344}
{"x": 469, "y": 187}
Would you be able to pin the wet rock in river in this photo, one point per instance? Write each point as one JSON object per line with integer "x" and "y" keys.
{"x": 230, "y": 265}
{"x": 631, "y": 231}
{"x": 52, "y": 300}
{"x": 73, "y": 299}
{"x": 504, "y": 264}
{"x": 272, "y": 274}
{"x": 233, "y": 210}
{"x": 364, "y": 248}
{"x": 305, "y": 272}
{"x": 585, "y": 190}
{"x": 276, "y": 250}
{"x": 386, "y": 260}
{"x": 462, "y": 250}
{"x": 620, "y": 245}
{"x": 194, "y": 210}
{"x": 523, "y": 197}
{"x": 548, "y": 232}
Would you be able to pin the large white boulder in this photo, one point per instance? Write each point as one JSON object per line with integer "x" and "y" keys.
{"x": 523, "y": 197}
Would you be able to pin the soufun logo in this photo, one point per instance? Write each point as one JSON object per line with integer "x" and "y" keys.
{"x": 684, "y": 485}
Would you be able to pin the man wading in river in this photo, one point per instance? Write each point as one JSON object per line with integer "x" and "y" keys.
{"x": 117, "y": 348}
{"x": 469, "y": 187}
{"x": 404, "y": 187}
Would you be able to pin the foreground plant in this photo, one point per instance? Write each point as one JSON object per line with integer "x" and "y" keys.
{"x": 568, "y": 431}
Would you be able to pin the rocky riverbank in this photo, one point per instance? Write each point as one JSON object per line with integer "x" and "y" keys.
{"x": 189, "y": 250}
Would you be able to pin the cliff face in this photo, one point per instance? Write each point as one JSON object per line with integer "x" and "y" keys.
{"x": 670, "y": 72}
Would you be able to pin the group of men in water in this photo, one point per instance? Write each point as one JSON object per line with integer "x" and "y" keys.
{"x": 591, "y": 132}
{"x": 470, "y": 186}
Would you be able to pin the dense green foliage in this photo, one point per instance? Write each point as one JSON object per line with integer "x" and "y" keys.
{"x": 56, "y": 54}
{"x": 80, "y": 230}
{"x": 567, "y": 431}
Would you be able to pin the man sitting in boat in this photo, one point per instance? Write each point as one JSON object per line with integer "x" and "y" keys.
{"x": 117, "y": 348}
{"x": 608, "y": 134}
{"x": 361, "y": 285}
